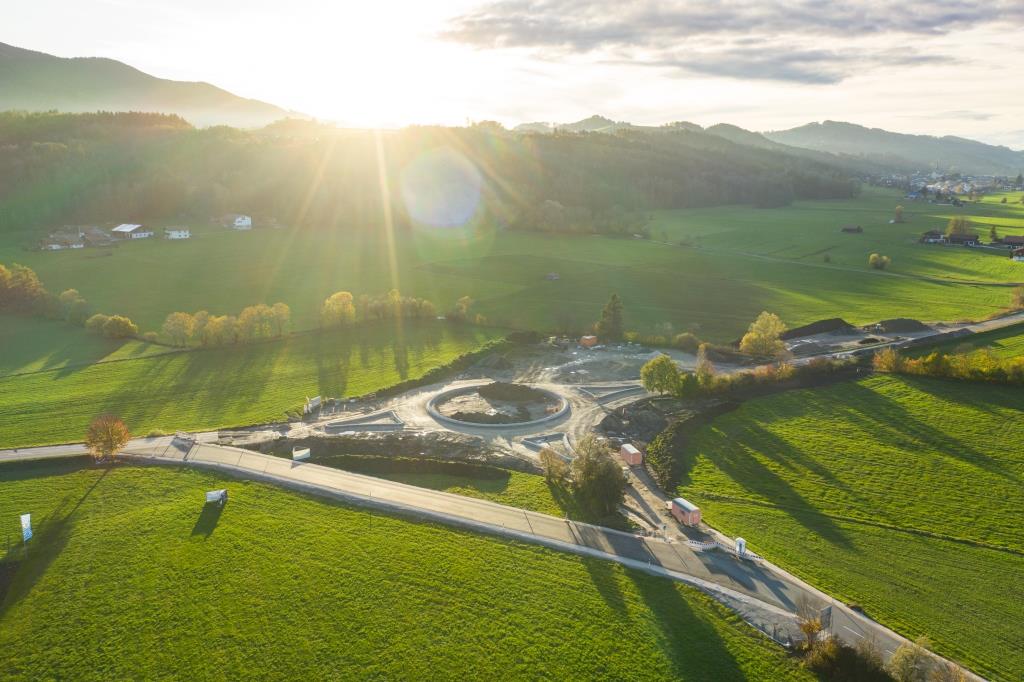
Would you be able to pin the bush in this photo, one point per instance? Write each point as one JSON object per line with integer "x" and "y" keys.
{"x": 832, "y": 660}
{"x": 96, "y": 322}
{"x": 879, "y": 262}
{"x": 119, "y": 327}
{"x": 686, "y": 342}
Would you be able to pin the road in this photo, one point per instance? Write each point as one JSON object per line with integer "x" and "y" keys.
{"x": 764, "y": 595}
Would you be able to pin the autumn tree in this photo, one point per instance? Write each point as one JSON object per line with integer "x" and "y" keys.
{"x": 337, "y": 310}
{"x": 282, "y": 317}
{"x": 199, "y": 330}
{"x": 255, "y": 322}
{"x": 119, "y": 327}
{"x": 898, "y": 214}
{"x": 958, "y": 225}
{"x": 95, "y": 323}
{"x": 460, "y": 313}
{"x": 554, "y": 465}
{"x": 878, "y": 261}
{"x": 705, "y": 370}
{"x": 106, "y": 436}
{"x": 660, "y": 374}
{"x": 179, "y": 328}
{"x": 911, "y": 661}
{"x": 764, "y": 336}
{"x": 610, "y": 327}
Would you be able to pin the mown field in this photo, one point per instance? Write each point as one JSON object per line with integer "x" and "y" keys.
{"x": 128, "y": 578}
{"x": 214, "y": 388}
{"x": 903, "y": 495}
{"x": 1002, "y": 343}
{"x": 739, "y": 261}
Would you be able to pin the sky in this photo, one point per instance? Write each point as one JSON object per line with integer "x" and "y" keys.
{"x": 918, "y": 66}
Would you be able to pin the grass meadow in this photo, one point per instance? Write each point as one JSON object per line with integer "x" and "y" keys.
{"x": 903, "y": 495}
{"x": 129, "y": 577}
{"x": 1001, "y": 343}
{"x": 738, "y": 261}
{"x": 207, "y": 389}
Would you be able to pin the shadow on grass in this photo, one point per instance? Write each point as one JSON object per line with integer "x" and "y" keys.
{"x": 693, "y": 647}
{"x": 50, "y": 538}
{"x": 208, "y": 519}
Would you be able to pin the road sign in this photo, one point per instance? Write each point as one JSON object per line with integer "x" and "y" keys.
{"x": 825, "y": 617}
{"x": 26, "y": 527}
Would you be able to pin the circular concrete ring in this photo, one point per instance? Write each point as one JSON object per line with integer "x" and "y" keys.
{"x": 563, "y": 409}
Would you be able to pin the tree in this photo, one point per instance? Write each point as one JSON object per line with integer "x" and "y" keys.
{"x": 946, "y": 671}
{"x": 79, "y": 312}
{"x": 460, "y": 312}
{"x": 763, "y": 337}
{"x": 106, "y": 436}
{"x": 610, "y": 326}
{"x": 705, "y": 370}
{"x": 96, "y": 322}
{"x": 898, "y": 217}
{"x": 887, "y": 360}
{"x": 1020, "y": 180}
{"x": 119, "y": 327}
{"x": 1018, "y": 298}
{"x": 199, "y": 330}
{"x": 555, "y": 467}
{"x": 910, "y": 661}
{"x": 68, "y": 298}
{"x": 598, "y": 480}
{"x": 20, "y": 289}
{"x": 337, "y": 310}
{"x": 878, "y": 261}
{"x": 179, "y": 328}
{"x": 1003, "y": 200}
{"x": 958, "y": 225}
{"x": 808, "y": 619}
{"x": 255, "y": 322}
{"x": 660, "y": 375}
{"x": 993, "y": 236}
{"x": 282, "y": 317}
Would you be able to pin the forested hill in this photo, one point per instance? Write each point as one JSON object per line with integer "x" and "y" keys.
{"x": 36, "y": 81}
{"x": 921, "y": 151}
{"x": 95, "y": 168}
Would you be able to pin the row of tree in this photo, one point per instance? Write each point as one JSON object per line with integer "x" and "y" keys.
{"x": 21, "y": 291}
{"x": 977, "y": 366}
{"x": 341, "y": 309}
{"x": 253, "y": 323}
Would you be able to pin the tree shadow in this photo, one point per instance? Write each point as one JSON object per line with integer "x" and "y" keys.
{"x": 208, "y": 519}
{"x": 50, "y": 538}
{"x": 692, "y": 645}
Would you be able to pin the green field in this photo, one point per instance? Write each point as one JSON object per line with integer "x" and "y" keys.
{"x": 128, "y": 579}
{"x": 1002, "y": 343}
{"x": 741, "y": 260}
{"x": 903, "y": 495}
{"x": 207, "y": 389}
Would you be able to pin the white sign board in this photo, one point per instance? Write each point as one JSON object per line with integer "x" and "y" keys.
{"x": 300, "y": 454}
{"x": 26, "y": 527}
{"x": 216, "y": 495}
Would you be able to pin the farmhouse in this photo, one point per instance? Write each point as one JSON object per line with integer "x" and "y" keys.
{"x": 686, "y": 512}
{"x": 237, "y": 221}
{"x": 1012, "y": 241}
{"x": 631, "y": 455}
{"x": 965, "y": 239}
{"x": 177, "y": 233}
{"x": 68, "y": 238}
{"x": 131, "y": 231}
{"x": 1018, "y": 255}
{"x": 933, "y": 237}
{"x": 852, "y": 229}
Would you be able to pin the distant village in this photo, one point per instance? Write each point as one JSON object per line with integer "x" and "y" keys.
{"x": 83, "y": 236}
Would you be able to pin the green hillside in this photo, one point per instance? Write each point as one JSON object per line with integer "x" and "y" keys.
{"x": 129, "y": 578}
{"x": 235, "y": 386}
{"x": 901, "y": 495}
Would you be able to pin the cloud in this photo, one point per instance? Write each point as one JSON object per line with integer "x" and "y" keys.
{"x": 748, "y": 39}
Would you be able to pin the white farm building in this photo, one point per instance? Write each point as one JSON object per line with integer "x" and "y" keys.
{"x": 177, "y": 233}
{"x": 131, "y": 231}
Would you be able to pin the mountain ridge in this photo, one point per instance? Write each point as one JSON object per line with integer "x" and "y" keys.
{"x": 36, "y": 81}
